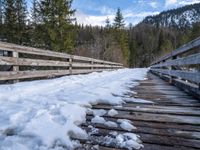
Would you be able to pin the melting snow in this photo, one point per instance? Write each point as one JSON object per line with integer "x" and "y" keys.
{"x": 98, "y": 119}
{"x": 111, "y": 124}
{"x": 126, "y": 140}
{"x": 126, "y": 124}
{"x": 99, "y": 112}
{"x": 112, "y": 112}
{"x": 44, "y": 114}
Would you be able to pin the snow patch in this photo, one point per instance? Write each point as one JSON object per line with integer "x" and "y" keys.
{"x": 99, "y": 112}
{"x": 126, "y": 140}
{"x": 112, "y": 112}
{"x": 46, "y": 114}
{"x": 126, "y": 124}
{"x": 98, "y": 119}
{"x": 137, "y": 100}
{"x": 111, "y": 124}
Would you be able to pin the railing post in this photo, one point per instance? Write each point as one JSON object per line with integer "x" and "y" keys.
{"x": 70, "y": 64}
{"x": 92, "y": 63}
{"x": 15, "y": 68}
{"x": 172, "y": 68}
{"x": 198, "y": 69}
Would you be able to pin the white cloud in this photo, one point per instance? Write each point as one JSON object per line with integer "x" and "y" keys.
{"x": 91, "y": 19}
{"x": 140, "y": 15}
{"x": 180, "y": 2}
{"x": 106, "y": 10}
{"x": 187, "y": 2}
{"x": 170, "y": 2}
{"x": 153, "y": 4}
{"x": 130, "y": 17}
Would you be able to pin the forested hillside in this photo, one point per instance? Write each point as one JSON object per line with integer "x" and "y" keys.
{"x": 180, "y": 18}
{"x": 51, "y": 25}
{"x": 158, "y": 35}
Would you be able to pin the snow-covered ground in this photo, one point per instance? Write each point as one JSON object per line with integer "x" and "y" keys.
{"x": 41, "y": 115}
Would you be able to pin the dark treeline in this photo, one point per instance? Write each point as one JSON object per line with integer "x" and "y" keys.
{"x": 51, "y": 25}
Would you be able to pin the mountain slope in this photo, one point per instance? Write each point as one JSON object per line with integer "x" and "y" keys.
{"x": 181, "y": 18}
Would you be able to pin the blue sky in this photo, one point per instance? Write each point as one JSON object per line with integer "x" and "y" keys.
{"x": 95, "y": 12}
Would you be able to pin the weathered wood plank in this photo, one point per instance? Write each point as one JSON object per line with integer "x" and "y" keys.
{"x": 156, "y": 110}
{"x": 87, "y": 146}
{"x": 84, "y": 65}
{"x": 12, "y": 75}
{"x": 187, "y": 87}
{"x": 190, "y": 120}
{"x": 156, "y": 125}
{"x": 31, "y": 62}
{"x": 150, "y": 130}
{"x": 191, "y": 76}
{"x": 41, "y": 52}
{"x": 151, "y": 139}
{"x": 189, "y": 60}
{"x": 183, "y": 49}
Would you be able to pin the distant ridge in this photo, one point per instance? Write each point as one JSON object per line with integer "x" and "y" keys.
{"x": 182, "y": 17}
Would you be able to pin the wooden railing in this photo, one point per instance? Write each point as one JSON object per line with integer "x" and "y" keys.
{"x": 181, "y": 67}
{"x": 20, "y": 62}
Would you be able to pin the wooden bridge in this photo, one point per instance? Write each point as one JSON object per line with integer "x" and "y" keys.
{"x": 169, "y": 119}
{"x": 172, "y": 120}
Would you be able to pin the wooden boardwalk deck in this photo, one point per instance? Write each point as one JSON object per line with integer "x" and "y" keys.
{"x": 171, "y": 122}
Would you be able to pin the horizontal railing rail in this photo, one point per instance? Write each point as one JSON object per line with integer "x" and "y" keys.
{"x": 21, "y": 62}
{"x": 183, "y": 49}
{"x": 181, "y": 67}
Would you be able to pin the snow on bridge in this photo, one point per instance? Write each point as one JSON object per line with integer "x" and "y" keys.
{"x": 46, "y": 114}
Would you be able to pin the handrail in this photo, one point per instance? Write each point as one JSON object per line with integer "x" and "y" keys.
{"x": 27, "y": 62}
{"x": 181, "y": 70}
{"x": 183, "y": 49}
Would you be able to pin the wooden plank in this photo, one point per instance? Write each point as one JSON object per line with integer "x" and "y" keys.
{"x": 161, "y": 88}
{"x": 156, "y": 110}
{"x": 41, "y": 52}
{"x": 156, "y": 125}
{"x": 84, "y": 65}
{"x": 151, "y": 139}
{"x": 30, "y": 50}
{"x": 12, "y": 75}
{"x": 150, "y": 130}
{"x": 148, "y": 146}
{"x": 189, "y": 60}
{"x": 86, "y": 146}
{"x": 190, "y": 76}
{"x": 172, "y": 93}
{"x": 187, "y": 87}
{"x": 31, "y": 62}
{"x": 183, "y": 105}
{"x": 15, "y": 67}
{"x": 190, "y": 120}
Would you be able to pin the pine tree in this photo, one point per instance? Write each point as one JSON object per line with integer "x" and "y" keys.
{"x": 21, "y": 12}
{"x": 107, "y": 23}
{"x": 57, "y": 18}
{"x": 119, "y": 20}
{"x": 1, "y": 19}
{"x": 10, "y": 21}
{"x": 37, "y": 32}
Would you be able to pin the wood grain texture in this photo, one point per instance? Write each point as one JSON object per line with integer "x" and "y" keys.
{"x": 160, "y": 126}
{"x": 191, "y": 76}
{"x": 189, "y": 60}
{"x": 69, "y": 64}
{"x": 183, "y": 49}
